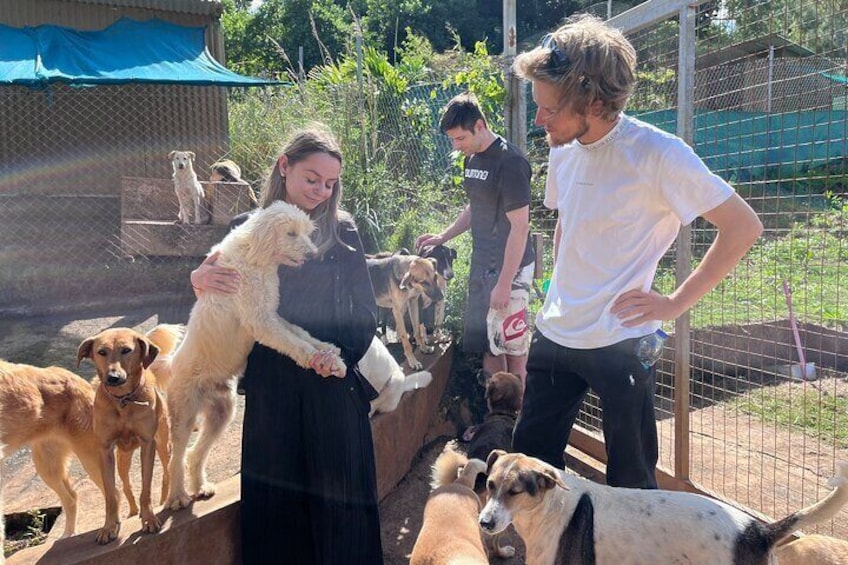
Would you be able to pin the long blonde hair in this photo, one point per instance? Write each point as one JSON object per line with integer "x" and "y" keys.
{"x": 306, "y": 142}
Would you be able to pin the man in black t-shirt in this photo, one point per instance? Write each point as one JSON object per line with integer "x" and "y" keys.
{"x": 497, "y": 181}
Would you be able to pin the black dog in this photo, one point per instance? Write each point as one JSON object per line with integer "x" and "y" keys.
{"x": 434, "y": 316}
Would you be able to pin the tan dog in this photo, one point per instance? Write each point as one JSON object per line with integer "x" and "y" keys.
{"x": 189, "y": 191}
{"x": 450, "y": 532}
{"x": 399, "y": 281}
{"x": 813, "y": 550}
{"x": 567, "y": 519}
{"x": 50, "y": 410}
{"x": 129, "y": 411}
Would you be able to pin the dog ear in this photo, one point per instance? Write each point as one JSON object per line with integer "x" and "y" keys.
{"x": 262, "y": 244}
{"x": 171, "y": 154}
{"x": 549, "y": 478}
{"x": 84, "y": 350}
{"x": 451, "y": 253}
{"x": 402, "y": 284}
{"x": 191, "y": 154}
{"x": 434, "y": 261}
{"x": 149, "y": 351}
{"x": 493, "y": 456}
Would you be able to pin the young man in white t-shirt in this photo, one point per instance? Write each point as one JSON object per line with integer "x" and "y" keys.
{"x": 622, "y": 189}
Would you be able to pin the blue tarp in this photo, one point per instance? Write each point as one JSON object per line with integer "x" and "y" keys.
{"x": 127, "y": 51}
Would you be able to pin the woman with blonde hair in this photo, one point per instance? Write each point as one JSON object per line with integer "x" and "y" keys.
{"x": 308, "y": 479}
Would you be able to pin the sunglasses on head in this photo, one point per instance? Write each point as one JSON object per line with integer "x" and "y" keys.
{"x": 558, "y": 59}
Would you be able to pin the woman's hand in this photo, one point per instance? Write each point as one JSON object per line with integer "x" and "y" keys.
{"x": 210, "y": 276}
{"x": 326, "y": 363}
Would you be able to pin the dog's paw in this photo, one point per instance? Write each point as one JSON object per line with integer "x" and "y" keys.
{"x": 506, "y": 552}
{"x": 414, "y": 363}
{"x": 427, "y": 348}
{"x": 108, "y": 533}
{"x": 178, "y": 501}
{"x": 205, "y": 492}
{"x": 150, "y": 524}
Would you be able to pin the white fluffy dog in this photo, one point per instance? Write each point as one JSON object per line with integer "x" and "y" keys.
{"x": 384, "y": 373}
{"x": 221, "y": 331}
{"x": 189, "y": 190}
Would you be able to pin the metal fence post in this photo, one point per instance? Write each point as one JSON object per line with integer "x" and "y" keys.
{"x": 683, "y": 260}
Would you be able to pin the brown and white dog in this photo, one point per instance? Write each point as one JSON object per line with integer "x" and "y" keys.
{"x": 566, "y": 519}
{"x": 189, "y": 191}
{"x": 813, "y": 550}
{"x": 129, "y": 411}
{"x": 450, "y": 532}
{"x": 399, "y": 280}
{"x": 504, "y": 393}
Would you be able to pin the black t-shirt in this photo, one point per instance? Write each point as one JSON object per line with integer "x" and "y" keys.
{"x": 497, "y": 181}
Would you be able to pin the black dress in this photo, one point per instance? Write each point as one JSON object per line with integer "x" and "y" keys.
{"x": 308, "y": 486}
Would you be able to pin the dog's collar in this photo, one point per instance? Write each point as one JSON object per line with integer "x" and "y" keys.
{"x": 125, "y": 399}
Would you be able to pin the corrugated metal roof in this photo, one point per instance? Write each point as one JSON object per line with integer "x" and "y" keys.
{"x": 205, "y": 7}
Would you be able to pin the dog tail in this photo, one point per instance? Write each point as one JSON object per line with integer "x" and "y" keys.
{"x": 414, "y": 381}
{"x": 818, "y": 512}
{"x": 447, "y": 467}
{"x": 166, "y": 337}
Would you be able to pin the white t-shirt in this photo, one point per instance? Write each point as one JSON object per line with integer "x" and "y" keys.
{"x": 621, "y": 202}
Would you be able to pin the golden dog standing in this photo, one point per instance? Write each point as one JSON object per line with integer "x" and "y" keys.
{"x": 308, "y": 485}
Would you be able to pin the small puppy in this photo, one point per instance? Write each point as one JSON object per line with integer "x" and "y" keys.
{"x": 567, "y": 519}
{"x": 504, "y": 393}
{"x": 380, "y": 369}
{"x": 189, "y": 191}
{"x": 813, "y": 550}
{"x": 129, "y": 411}
{"x": 450, "y": 532}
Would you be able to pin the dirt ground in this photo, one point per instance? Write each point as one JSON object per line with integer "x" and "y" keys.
{"x": 731, "y": 453}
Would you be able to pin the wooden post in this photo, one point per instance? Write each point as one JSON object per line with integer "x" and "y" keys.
{"x": 515, "y": 106}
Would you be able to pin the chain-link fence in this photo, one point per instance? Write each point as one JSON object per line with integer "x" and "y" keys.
{"x": 85, "y": 187}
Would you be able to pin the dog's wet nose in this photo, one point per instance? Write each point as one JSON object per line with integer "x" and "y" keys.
{"x": 487, "y": 523}
{"x": 114, "y": 378}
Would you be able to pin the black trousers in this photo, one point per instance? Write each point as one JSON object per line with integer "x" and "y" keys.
{"x": 558, "y": 379}
{"x": 308, "y": 487}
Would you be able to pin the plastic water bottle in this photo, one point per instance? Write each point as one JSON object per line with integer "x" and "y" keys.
{"x": 649, "y": 348}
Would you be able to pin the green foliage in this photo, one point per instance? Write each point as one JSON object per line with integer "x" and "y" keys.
{"x": 812, "y": 411}
{"x": 479, "y": 73}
